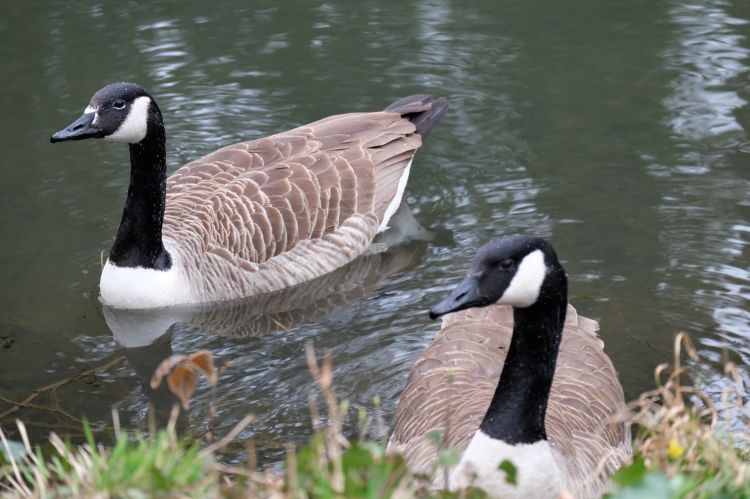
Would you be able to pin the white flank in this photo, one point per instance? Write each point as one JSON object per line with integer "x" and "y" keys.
{"x": 537, "y": 474}
{"x": 135, "y": 126}
{"x": 526, "y": 284}
{"x": 139, "y": 287}
{"x": 396, "y": 201}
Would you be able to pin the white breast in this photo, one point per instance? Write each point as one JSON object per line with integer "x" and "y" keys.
{"x": 537, "y": 474}
{"x": 138, "y": 287}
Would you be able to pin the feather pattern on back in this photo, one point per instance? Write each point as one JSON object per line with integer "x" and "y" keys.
{"x": 262, "y": 215}
{"x": 451, "y": 384}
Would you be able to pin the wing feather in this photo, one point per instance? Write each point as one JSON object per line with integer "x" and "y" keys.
{"x": 244, "y": 206}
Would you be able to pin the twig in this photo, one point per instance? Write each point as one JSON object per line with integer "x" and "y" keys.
{"x": 56, "y": 410}
{"x": 54, "y": 386}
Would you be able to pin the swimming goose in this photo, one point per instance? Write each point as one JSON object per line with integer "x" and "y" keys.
{"x": 255, "y": 216}
{"x": 486, "y": 383}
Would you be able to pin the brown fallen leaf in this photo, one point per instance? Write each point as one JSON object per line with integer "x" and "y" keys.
{"x": 203, "y": 360}
{"x": 164, "y": 368}
{"x": 182, "y": 383}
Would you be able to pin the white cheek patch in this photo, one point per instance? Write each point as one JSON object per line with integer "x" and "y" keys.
{"x": 135, "y": 126}
{"x": 526, "y": 284}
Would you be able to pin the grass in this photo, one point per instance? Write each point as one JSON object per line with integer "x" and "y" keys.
{"x": 134, "y": 467}
{"x": 683, "y": 448}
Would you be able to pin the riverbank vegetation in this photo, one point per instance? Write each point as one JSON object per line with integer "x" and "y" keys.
{"x": 685, "y": 445}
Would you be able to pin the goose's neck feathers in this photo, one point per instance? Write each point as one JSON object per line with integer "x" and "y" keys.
{"x": 513, "y": 426}
{"x": 139, "y": 238}
{"x": 516, "y": 412}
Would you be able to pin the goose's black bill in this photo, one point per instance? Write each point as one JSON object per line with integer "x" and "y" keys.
{"x": 466, "y": 295}
{"x": 80, "y": 129}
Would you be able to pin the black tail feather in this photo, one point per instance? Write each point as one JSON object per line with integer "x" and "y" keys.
{"x": 422, "y": 110}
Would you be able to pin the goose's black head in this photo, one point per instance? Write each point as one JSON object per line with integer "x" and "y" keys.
{"x": 514, "y": 270}
{"x": 121, "y": 112}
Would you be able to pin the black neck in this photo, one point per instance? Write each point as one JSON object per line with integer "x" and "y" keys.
{"x": 516, "y": 413}
{"x": 138, "y": 242}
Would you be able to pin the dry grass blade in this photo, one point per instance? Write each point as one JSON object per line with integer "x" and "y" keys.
{"x": 680, "y": 429}
{"x": 291, "y": 467}
{"x": 326, "y": 374}
{"x": 17, "y": 480}
{"x": 334, "y": 438}
{"x": 312, "y": 361}
{"x": 229, "y": 436}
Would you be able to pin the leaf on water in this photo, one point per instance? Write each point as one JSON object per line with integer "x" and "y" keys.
{"x": 510, "y": 471}
{"x": 182, "y": 383}
{"x": 164, "y": 368}
{"x": 203, "y": 360}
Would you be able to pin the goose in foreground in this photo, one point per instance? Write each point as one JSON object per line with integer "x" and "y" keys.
{"x": 252, "y": 217}
{"x": 528, "y": 382}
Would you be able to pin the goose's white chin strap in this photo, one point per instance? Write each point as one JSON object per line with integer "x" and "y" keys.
{"x": 135, "y": 126}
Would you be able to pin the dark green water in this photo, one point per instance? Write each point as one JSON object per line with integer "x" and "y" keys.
{"x": 616, "y": 129}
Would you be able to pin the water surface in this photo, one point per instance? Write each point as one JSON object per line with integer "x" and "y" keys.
{"x": 617, "y": 130}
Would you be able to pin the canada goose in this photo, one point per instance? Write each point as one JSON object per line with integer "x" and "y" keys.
{"x": 251, "y": 217}
{"x": 486, "y": 383}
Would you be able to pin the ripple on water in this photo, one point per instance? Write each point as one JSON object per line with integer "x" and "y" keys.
{"x": 635, "y": 165}
{"x": 708, "y": 53}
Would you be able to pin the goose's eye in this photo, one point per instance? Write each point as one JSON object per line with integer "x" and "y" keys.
{"x": 507, "y": 264}
{"x": 118, "y": 104}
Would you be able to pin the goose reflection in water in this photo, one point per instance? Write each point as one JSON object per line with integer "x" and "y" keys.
{"x": 146, "y": 335}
